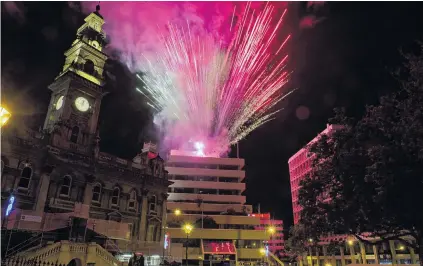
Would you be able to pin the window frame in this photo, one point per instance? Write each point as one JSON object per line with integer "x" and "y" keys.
{"x": 98, "y": 193}
{"x": 29, "y": 178}
{"x": 69, "y": 186}
{"x": 113, "y": 196}
{"x": 132, "y": 200}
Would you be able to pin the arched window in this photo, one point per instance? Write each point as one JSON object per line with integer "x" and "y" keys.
{"x": 96, "y": 193}
{"x": 132, "y": 203}
{"x": 115, "y": 196}
{"x": 74, "y": 134}
{"x": 25, "y": 179}
{"x": 66, "y": 186}
{"x": 152, "y": 205}
{"x": 89, "y": 67}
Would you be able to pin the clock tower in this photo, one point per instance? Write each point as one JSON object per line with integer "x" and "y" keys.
{"x": 77, "y": 91}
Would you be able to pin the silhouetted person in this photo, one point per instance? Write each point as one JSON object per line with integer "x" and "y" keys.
{"x": 141, "y": 261}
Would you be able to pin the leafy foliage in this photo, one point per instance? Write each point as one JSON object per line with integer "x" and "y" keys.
{"x": 368, "y": 176}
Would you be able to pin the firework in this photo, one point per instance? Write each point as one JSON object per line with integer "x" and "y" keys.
{"x": 213, "y": 94}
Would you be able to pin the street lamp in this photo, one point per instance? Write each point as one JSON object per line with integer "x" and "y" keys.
{"x": 4, "y": 116}
{"x": 187, "y": 229}
{"x": 271, "y": 230}
{"x": 177, "y": 212}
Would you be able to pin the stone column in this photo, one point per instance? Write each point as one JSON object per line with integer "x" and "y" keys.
{"x": 164, "y": 216}
{"x": 393, "y": 252}
{"x": 363, "y": 253}
{"x": 143, "y": 220}
{"x": 413, "y": 256}
{"x": 342, "y": 256}
{"x": 88, "y": 193}
{"x": 376, "y": 253}
{"x": 43, "y": 189}
{"x": 352, "y": 252}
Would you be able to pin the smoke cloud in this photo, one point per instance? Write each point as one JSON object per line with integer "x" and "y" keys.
{"x": 16, "y": 10}
{"x": 311, "y": 20}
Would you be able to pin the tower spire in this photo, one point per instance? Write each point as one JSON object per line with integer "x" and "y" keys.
{"x": 97, "y": 8}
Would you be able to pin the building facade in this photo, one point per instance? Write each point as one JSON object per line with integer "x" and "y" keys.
{"x": 300, "y": 165}
{"x": 275, "y": 229}
{"x": 207, "y": 194}
{"x": 57, "y": 185}
{"x": 341, "y": 250}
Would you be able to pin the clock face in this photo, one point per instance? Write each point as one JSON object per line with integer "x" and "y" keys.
{"x": 82, "y": 104}
{"x": 59, "y": 103}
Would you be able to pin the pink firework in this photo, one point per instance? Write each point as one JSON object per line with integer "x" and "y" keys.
{"x": 214, "y": 70}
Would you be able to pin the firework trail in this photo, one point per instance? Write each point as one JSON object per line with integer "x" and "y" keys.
{"x": 212, "y": 85}
{"x": 216, "y": 94}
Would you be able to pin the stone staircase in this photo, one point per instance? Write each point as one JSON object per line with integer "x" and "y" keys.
{"x": 63, "y": 253}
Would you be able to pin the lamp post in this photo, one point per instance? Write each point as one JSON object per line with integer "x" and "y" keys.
{"x": 270, "y": 230}
{"x": 187, "y": 229}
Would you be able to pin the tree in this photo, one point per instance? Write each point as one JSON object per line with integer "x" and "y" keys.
{"x": 368, "y": 176}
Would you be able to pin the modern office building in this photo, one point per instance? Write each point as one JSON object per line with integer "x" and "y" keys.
{"x": 275, "y": 227}
{"x": 350, "y": 251}
{"x": 299, "y": 167}
{"x": 207, "y": 194}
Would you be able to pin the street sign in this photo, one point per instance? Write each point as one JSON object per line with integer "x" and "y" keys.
{"x": 31, "y": 218}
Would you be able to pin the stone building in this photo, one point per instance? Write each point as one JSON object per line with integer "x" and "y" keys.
{"x": 57, "y": 185}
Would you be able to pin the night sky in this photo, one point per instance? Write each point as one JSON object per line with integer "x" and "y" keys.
{"x": 344, "y": 60}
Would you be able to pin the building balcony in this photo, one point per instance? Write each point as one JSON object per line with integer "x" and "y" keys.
{"x": 220, "y": 234}
{"x": 180, "y": 158}
{"x": 205, "y": 172}
{"x": 207, "y": 185}
{"x": 208, "y": 207}
{"x": 219, "y": 219}
{"x": 207, "y": 197}
{"x": 249, "y": 253}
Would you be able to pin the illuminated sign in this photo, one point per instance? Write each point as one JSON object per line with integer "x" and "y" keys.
{"x": 219, "y": 247}
{"x": 10, "y": 205}
{"x": 166, "y": 241}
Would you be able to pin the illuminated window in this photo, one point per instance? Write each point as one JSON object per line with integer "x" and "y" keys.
{"x": 115, "y": 196}
{"x": 66, "y": 186}
{"x": 25, "y": 179}
{"x": 132, "y": 200}
{"x": 96, "y": 193}
{"x": 74, "y": 134}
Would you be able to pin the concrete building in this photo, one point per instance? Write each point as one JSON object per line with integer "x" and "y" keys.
{"x": 299, "y": 167}
{"x": 58, "y": 186}
{"x": 351, "y": 251}
{"x": 207, "y": 193}
{"x": 275, "y": 228}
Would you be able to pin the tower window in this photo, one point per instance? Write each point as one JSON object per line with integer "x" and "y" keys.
{"x": 132, "y": 200}
{"x": 74, "y": 134}
{"x": 96, "y": 193}
{"x": 89, "y": 67}
{"x": 115, "y": 196}
{"x": 25, "y": 179}
{"x": 66, "y": 186}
